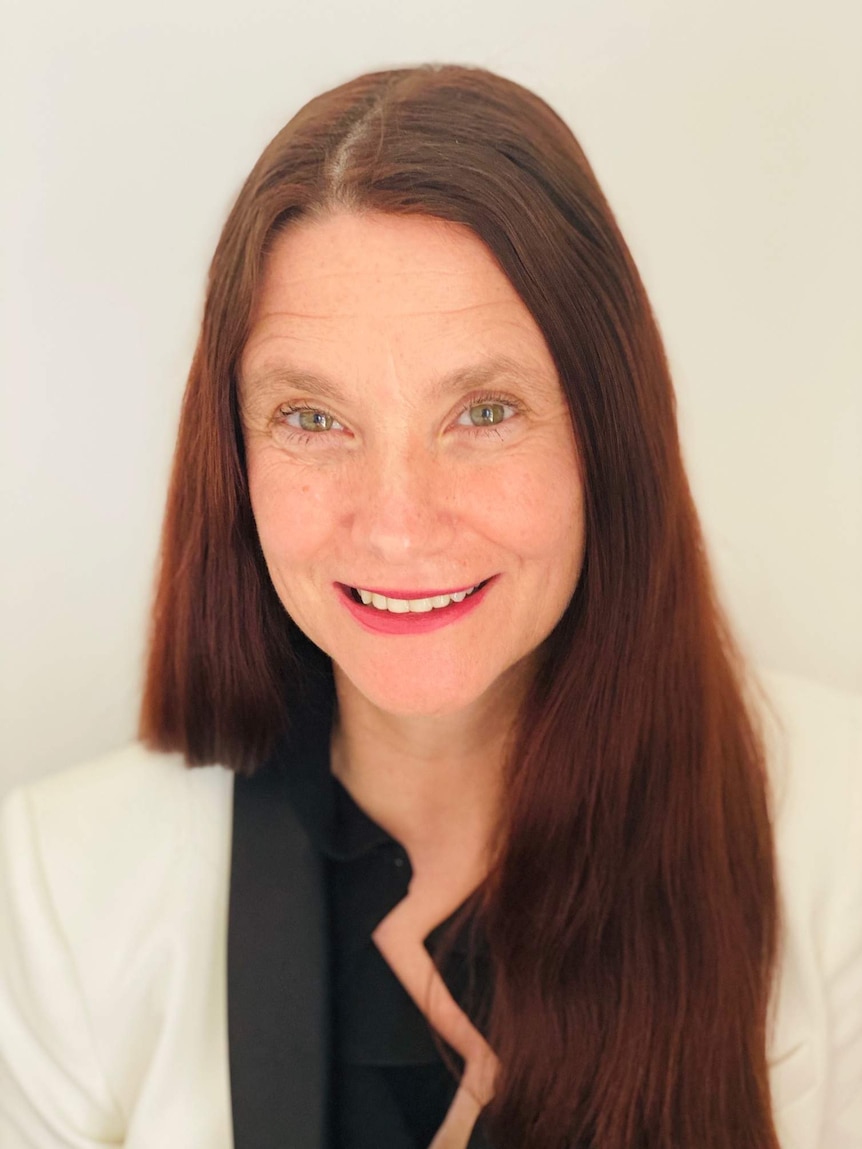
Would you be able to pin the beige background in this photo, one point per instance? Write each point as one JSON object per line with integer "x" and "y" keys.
{"x": 725, "y": 135}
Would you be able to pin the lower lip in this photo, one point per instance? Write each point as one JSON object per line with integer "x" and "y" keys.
{"x": 385, "y": 622}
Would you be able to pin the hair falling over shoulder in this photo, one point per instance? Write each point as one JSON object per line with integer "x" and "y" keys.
{"x": 631, "y": 915}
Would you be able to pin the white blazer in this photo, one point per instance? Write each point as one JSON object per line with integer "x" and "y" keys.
{"x": 113, "y": 910}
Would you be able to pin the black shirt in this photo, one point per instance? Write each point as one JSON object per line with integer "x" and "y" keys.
{"x": 390, "y": 1087}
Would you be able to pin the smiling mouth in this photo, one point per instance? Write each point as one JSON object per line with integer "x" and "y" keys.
{"x": 373, "y": 601}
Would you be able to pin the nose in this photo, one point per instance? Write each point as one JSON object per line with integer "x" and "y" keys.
{"x": 404, "y": 507}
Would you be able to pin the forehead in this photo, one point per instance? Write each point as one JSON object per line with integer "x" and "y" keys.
{"x": 389, "y": 300}
{"x": 350, "y": 264}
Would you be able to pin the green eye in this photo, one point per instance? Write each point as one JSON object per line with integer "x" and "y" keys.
{"x": 487, "y": 414}
{"x": 314, "y": 420}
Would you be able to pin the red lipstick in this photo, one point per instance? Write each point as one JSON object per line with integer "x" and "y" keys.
{"x": 385, "y": 622}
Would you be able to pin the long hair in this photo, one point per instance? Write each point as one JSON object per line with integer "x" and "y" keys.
{"x": 631, "y": 913}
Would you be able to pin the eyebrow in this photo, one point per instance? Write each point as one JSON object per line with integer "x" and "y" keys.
{"x": 501, "y": 368}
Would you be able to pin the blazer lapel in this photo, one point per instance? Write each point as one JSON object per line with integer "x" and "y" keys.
{"x": 278, "y": 973}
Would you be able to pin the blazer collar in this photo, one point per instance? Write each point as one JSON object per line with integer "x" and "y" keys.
{"x": 278, "y": 972}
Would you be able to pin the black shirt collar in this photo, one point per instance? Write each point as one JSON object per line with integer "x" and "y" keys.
{"x": 338, "y": 827}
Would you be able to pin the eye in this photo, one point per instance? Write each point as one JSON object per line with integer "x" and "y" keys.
{"x": 489, "y": 411}
{"x": 308, "y": 419}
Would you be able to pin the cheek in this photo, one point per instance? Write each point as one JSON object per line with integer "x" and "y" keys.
{"x": 292, "y": 509}
{"x": 538, "y": 510}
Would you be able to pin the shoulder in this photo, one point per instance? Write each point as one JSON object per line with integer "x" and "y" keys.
{"x": 125, "y": 817}
{"x": 114, "y": 844}
{"x": 814, "y": 744}
{"x": 114, "y": 881}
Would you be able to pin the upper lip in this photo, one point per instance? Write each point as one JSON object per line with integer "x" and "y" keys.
{"x": 414, "y": 594}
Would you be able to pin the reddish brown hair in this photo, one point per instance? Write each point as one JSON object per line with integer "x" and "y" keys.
{"x": 631, "y": 989}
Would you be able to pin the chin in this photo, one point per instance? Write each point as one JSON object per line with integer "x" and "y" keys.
{"x": 424, "y": 694}
{"x": 421, "y": 700}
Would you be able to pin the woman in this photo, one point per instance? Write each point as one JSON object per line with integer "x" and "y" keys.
{"x": 483, "y": 853}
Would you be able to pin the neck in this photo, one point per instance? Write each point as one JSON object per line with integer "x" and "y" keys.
{"x": 433, "y": 782}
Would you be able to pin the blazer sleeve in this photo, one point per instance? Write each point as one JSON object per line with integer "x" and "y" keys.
{"x": 817, "y": 788}
{"x": 53, "y": 1092}
{"x": 842, "y": 948}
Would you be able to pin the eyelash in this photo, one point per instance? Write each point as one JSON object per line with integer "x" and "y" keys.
{"x": 306, "y": 437}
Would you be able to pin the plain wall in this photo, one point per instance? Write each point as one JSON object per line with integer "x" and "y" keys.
{"x": 726, "y": 138}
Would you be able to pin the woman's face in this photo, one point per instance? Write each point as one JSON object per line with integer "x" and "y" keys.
{"x": 406, "y": 434}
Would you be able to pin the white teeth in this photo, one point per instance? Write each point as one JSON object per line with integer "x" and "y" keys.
{"x": 413, "y": 605}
